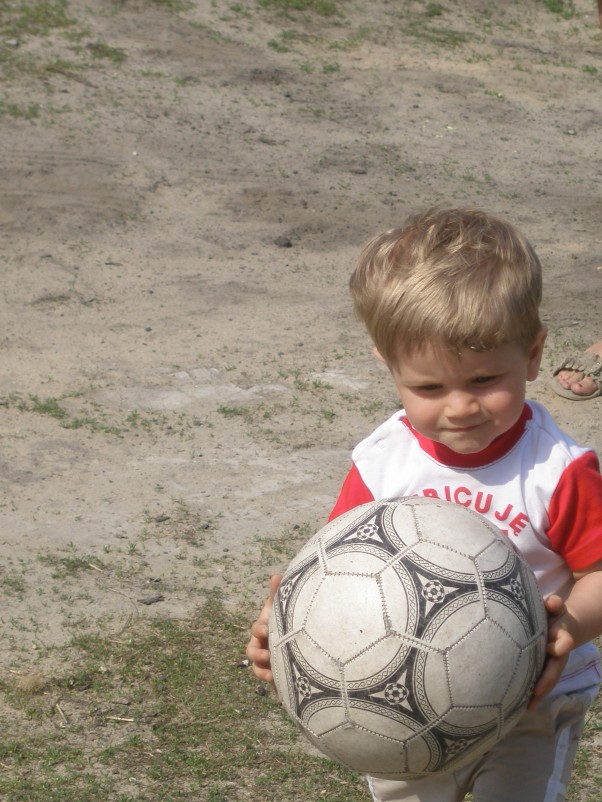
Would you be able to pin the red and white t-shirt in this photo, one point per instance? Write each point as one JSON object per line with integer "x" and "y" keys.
{"x": 533, "y": 482}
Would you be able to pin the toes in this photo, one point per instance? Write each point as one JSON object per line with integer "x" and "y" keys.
{"x": 585, "y": 386}
{"x": 569, "y": 378}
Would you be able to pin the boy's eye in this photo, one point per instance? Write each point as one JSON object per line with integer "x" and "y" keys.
{"x": 428, "y": 388}
{"x": 483, "y": 379}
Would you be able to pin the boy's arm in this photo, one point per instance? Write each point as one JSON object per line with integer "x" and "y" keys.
{"x": 258, "y": 650}
{"x": 574, "y": 621}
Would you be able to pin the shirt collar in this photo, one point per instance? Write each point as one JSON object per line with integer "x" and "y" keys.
{"x": 494, "y": 451}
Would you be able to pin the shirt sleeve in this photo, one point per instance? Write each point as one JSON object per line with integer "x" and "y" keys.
{"x": 353, "y": 493}
{"x": 576, "y": 513}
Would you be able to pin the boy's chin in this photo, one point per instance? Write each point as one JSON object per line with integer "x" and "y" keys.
{"x": 466, "y": 445}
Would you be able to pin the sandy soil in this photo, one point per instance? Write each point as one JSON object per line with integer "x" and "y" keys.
{"x": 183, "y": 378}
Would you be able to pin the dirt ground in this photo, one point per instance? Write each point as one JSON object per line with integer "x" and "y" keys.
{"x": 183, "y": 377}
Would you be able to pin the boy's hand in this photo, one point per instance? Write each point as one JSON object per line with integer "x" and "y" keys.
{"x": 560, "y": 644}
{"x": 258, "y": 650}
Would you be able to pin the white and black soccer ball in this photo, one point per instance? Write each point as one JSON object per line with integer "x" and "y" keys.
{"x": 406, "y": 637}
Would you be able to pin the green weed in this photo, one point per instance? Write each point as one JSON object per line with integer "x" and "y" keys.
{"x": 34, "y": 18}
{"x": 282, "y": 548}
{"x": 94, "y": 418}
{"x": 233, "y": 412}
{"x": 100, "y": 50}
{"x": 70, "y": 565}
{"x": 437, "y": 35}
{"x": 331, "y": 67}
{"x": 435, "y": 10}
{"x": 352, "y": 41}
{"x": 174, "y": 5}
{"x": 30, "y": 111}
{"x": 47, "y": 406}
{"x": 565, "y": 8}
{"x": 325, "y": 8}
{"x": 12, "y": 583}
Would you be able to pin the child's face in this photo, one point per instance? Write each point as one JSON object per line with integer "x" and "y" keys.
{"x": 465, "y": 401}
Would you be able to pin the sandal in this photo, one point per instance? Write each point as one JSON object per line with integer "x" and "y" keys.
{"x": 587, "y": 363}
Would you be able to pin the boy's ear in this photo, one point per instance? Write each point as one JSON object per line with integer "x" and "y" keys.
{"x": 378, "y": 355}
{"x": 535, "y": 354}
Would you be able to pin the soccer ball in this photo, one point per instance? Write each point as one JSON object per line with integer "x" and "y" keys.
{"x": 406, "y": 637}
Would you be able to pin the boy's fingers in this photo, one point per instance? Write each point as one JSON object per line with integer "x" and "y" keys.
{"x": 259, "y": 630}
{"x": 555, "y": 604}
{"x": 257, "y": 650}
{"x": 275, "y": 581}
{"x": 549, "y": 677}
{"x": 264, "y": 615}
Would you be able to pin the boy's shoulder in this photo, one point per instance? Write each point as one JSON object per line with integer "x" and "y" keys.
{"x": 393, "y": 426}
{"x": 543, "y": 426}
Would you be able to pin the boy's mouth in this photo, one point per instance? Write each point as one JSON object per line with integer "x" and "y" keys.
{"x": 463, "y": 428}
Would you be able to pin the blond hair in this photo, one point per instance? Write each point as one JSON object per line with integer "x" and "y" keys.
{"x": 457, "y": 278}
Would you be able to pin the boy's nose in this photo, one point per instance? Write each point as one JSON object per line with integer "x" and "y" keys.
{"x": 461, "y": 405}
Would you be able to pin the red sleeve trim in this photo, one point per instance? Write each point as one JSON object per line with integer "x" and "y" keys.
{"x": 353, "y": 493}
{"x": 576, "y": 513}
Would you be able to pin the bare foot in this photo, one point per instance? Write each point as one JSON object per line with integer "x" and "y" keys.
{"x": 575, "y": 381}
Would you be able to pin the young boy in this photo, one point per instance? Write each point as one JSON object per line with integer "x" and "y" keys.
{"x": 451, "y": 301}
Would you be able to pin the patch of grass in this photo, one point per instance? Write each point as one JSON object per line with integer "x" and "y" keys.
{"x": 437, "y": 35}
{"x": 325, "y": 8}
{"x": 38, "y": 18}
{"x": 70, "y": 565}
{"x": 352, "y": 41}
{"x": 101, "y": 50}
{"x": 12, "y": 583}
{"x": 29, "y": 111}
{"x": 282, "y": 548}
{"x": 285, "y": 41}
{"x": 181, "y": 523}
{"x": 94, "y": 418}
{"x": 174, "y": 717}
{"x": 47, "y": 406}
{"x": 331, "y": 67}
{"x": 173, "y": 5}
{"x": 435, "y": 10}
{"x": 53, "y": 408}
{"x": 234, "y": 412}
{"x": 20, "y": 22}
{"x": 24, "y": 21}
{"x": 565, "y": 8}
{"x": 61, "y": 67}
{"x": 369, "y": 410}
